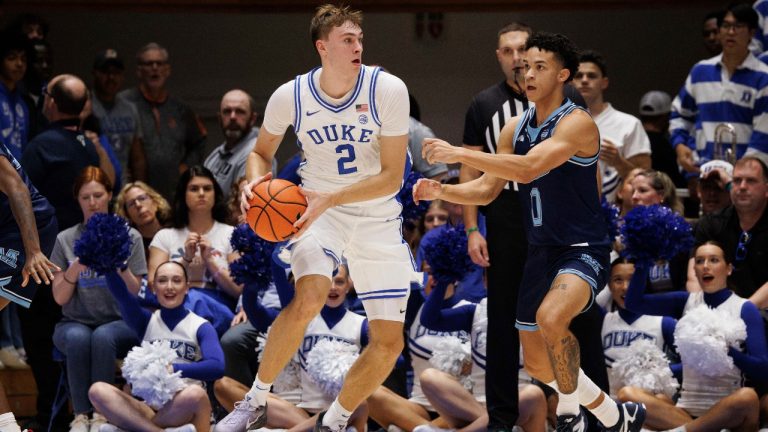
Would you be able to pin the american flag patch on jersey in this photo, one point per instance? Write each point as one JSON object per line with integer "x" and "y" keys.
{"x": 361, "y": 108}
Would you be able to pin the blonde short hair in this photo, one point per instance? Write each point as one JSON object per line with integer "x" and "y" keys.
{"x": 163, "y": 208}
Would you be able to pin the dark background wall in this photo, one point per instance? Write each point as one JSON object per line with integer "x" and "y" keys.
{"x": 647, "y": 48}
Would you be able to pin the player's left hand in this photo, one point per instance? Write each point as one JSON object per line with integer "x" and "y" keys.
{"x": 435, "y": 150}
{"x": 609, "y": 153}
{"x": 426, "y": 189}
{"x": 317, "y": 203}
{"x": 41, "y": 270}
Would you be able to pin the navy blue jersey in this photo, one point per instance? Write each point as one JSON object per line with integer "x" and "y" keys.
{"x": 561, "y": 206}
{"x": 40, "y": 206}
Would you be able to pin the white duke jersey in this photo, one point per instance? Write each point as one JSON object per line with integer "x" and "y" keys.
{"x": 183, "y": 337}
{"x": 699, "y": 393}
{"x": 421, "y": 342}
{"x": 618, "y": 335}
{"x": 348, "y": 330}
{"x": 340, "y": 137}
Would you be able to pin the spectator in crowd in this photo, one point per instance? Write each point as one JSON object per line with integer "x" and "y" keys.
{"x": 742, "y": 229}
{"x": 145, "y": 209}
{"x": 53, "y": 160}
{"x": 624, "y": 144}
{"x": 713, "y": 82}
{"x": 713, "y": 184}
{"x": 760, "y": 39}
{"x": 654, "y": 115}
{"x": 118, "y": 119}
{"x": 706, "y": 403}
{"x": 172, "y": 133}
{"x": 200, "y": 360}
{"x": 14, "y": 112}
{"x": 39, "y": 74}
{"x": 92, "y": 333}
{"x": 237, "y": 117}
{"x": 199, "y": 238}
{"x": 34, "y": 27}
{"x": 505, "y": 243}
{"x": 710, "y": 32}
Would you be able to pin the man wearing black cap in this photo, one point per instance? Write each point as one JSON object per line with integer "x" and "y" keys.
{"x": 118, "y": 118}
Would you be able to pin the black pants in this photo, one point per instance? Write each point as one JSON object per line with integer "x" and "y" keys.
{"x": 507, "y": 249}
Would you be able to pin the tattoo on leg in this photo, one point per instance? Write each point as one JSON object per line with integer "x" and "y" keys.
{"x": 564, "y": 356}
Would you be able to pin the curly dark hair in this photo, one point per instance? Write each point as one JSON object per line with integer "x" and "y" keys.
{"x": 563, "y": 49}
{"x": 180, "y": 208}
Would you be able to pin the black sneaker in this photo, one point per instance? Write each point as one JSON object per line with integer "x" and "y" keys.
{"x": 571, "y": 423}
{"x": 631, "y": 418}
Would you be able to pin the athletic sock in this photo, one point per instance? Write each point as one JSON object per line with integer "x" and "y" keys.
{"x": 336, "y": 417}
{"x": 257, "y": 395}
{"x": 568, "y": 404}
{"x": 607, "y": 412}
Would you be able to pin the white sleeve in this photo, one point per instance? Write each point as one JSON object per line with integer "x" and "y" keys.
{"x": 637, "y": 141}
{"x": 392, "y": 105}
{"x": 162, "y": 239}
{"x": 279, "y": 113}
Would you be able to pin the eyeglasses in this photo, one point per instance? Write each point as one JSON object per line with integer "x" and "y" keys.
{"x": 151, "y": 63}
{"x": 135, "y": 202}
{"x": 741, "y": 248}
{"x": 432, "y": 218}
{"x": 735, "y": 26}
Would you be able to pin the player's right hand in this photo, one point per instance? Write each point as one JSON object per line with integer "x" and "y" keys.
{"x": 247, "y": 192}
{"x": 40, "y": 268}
{"x": 426, "y": 189}
{"x": 477, "y": 247}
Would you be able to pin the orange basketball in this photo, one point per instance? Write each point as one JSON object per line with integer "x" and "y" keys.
{"x": 276, "y": 205}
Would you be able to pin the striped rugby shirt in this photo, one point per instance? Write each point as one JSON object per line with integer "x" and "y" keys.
{"x": 711, "y": 97}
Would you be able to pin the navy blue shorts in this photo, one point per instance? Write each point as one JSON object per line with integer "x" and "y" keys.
{"x": 545, "y": 263}
{"x": 12, "y": 259}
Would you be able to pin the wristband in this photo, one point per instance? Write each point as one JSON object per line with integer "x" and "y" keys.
{"x": 471, "y": 230}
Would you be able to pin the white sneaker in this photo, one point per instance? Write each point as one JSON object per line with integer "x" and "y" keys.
{"x": 12, "y": 359}
{"x": 80, "y": 424}
{"x": 96, "y": 421}
{"x": 189, "y": 427}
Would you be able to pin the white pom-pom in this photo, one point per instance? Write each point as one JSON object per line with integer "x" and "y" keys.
{"x": 702, "y": 337}
{"x": 644, "y": 365}
{"x": 328, "y": 363}
{"x": 146, "y": 369}
{"x": 288, "y": 380}
{"x": 454, "y": 357}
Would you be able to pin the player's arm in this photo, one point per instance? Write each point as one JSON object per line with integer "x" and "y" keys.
{"x": 476, "y": 244}
{"x": 36, "y": 264}
{"x": 576, "y": 134}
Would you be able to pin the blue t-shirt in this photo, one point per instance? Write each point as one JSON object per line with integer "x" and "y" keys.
{"x": 40, "y": 206}
{"x": 14, "y": 121}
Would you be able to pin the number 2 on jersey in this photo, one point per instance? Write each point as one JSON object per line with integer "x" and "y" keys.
{"x": 536, "y": 215}
{"x": 348, "y": 152}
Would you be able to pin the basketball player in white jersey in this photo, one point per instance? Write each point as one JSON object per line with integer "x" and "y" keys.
{"x": 351, "y": 122}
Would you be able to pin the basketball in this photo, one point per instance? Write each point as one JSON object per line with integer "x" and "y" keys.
{"x": 276, "y": 205}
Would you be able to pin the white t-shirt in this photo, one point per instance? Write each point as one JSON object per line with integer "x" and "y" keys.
{"x": 627, "y": 133}
{"x": 171, "y": 241}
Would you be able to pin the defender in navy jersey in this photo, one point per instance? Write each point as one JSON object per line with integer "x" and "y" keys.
{"x": 27, "y": 234}
{"x": 552, "y": 151}
{"x": 352, "y": 124}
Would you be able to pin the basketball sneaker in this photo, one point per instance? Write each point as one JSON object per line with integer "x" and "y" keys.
{"x": 571, "y": 423}
{"x": 243, "y": 418}
{"x": 631, "y": 418}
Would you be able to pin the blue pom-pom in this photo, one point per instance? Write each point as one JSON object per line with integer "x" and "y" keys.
{"x": 255, "y": 263}
{"x": 611, "y": 215}
{"x": 410, "y": 209}
{"x": 652, "y": 233}
{"x": 446, "y": 254}
{"x": 105, "y": 244}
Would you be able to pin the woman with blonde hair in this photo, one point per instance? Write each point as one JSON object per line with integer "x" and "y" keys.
{"x": 144, "y": 208}
{"x": 655, "y": 187}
